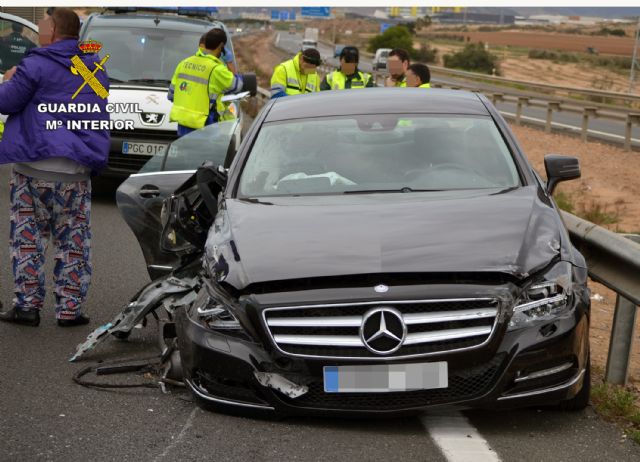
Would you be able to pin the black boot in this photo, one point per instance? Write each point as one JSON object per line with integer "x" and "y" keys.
{"x": 79, "y": 321}
{"x": 28, "y": 318}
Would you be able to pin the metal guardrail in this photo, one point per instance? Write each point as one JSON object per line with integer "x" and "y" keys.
{"x": 613, "y": 260}
{"x": 628, "y": 100}
{"x": 588, "y": 112}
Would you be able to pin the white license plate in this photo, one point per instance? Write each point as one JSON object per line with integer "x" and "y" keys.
{"x": 146, "y": 149}
{"x": 385, "y": 378}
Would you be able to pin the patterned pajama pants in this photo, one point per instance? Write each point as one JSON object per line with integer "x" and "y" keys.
{"x": 43, "y": 210}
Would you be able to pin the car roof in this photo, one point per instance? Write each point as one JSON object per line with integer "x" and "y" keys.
{"x": 377, "y": 101}
{"x": 167, "y": 21}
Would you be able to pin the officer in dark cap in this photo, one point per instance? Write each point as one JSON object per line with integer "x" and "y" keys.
{"x": 348, "y": 76}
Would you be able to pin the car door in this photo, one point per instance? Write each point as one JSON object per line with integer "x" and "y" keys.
{"x": 141, "y": 196}
{"x": 17, "y": 36}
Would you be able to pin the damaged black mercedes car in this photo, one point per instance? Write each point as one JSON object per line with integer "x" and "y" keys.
{"x": 371, "y": 252}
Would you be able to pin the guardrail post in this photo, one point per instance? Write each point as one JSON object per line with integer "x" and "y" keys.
{"x": 621, "y": 343}
{"x": 587, "y": 112}
{"x": 551, "y": 106}
{"x": 631, "y": 119}
{"x": 522, "y": 100}
{"x": 495, "y": 97}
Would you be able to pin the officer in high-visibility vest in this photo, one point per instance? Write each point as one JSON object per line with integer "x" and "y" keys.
{"x": 297, "y": 76}
{"x": 227, "y": 57}
{"x": 198, "y": 84}
{"x": 348, "y": 76}
{"x": 397, "y": 64}
{"x": 418, "y": 76}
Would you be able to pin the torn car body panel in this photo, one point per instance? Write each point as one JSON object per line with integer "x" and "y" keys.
{"x": 168, "y": 292}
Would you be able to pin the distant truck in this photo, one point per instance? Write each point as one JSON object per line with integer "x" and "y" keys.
{"x": 310, "y": 39}
{"x": 380, "y": 59}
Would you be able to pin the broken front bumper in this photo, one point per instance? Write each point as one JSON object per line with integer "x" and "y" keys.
{"x": 527, "y": 367}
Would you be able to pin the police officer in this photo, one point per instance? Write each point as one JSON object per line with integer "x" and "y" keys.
{"x": 348, "y": 76}
{"x": 418, "y": 76}
{"x": 397, "y": 64}
{"x": 296, "y": 76}
{"x": 198, "y": 84}
{"x": 14, "y": 46}
{"x": 227, "y": 57}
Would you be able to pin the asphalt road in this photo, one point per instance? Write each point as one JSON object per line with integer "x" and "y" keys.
{"x": 45, "y": 416}
{"x": 605, "y": 129}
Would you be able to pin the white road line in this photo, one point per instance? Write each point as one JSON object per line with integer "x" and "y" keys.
{"x": 458, "y": 440}
{"x": 570, "y": 127}
{"x": 175, "y": 441}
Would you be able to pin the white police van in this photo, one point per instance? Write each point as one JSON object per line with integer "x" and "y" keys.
{"x": 144, "y": 46}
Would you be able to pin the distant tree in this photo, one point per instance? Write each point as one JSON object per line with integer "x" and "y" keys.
{"x": 423, "y": 22}
{"x": 393, "y": 37}
{"x": 425, "y": 54}
{"x": 474, "y": 58}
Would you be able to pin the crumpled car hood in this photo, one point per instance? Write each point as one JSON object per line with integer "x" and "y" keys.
{"x": 514, "y": 231}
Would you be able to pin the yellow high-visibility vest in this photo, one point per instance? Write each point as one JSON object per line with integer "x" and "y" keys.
{"x": 193, "y": 95}
{"x": 292, "y": 81}
{"x": 338, "y": 81}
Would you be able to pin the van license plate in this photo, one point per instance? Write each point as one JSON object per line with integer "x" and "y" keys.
{"x": 145, "y": 149}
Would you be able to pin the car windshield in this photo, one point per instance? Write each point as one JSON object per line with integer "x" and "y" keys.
{"x": 377, "y": 153}
{"x": 190, "y": 151}
{"x": 145, "y": 55}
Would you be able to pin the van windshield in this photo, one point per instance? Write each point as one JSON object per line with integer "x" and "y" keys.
{"x": 145, "y": 55}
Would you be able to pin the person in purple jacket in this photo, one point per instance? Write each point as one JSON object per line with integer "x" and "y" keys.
{"x": 53, "y": 162}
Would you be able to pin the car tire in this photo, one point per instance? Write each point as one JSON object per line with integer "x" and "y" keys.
{"x": 121, "y": 335}
{"x": 581, "y": 400}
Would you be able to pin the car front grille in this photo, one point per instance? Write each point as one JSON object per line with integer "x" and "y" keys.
{"x": 129, "y": 162}
{"x": 464, "y": 384}
{"x": 334, "y": 330}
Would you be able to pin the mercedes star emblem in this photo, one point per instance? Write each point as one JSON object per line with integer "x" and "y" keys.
{"x": 381, "y": 288}
{"x": 383, "y": 330}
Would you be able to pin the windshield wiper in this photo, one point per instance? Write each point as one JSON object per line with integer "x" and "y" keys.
{"x": 151, "y": 81}
{"x": 406, "y": 189}
{"x": 111, "y": 79}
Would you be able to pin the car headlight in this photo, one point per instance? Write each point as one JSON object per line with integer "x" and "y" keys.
{"x": 213, "y": 313}
{"x": 546, "y": 298}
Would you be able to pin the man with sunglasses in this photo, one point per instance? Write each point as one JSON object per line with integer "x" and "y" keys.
{"x": 198, "y": 84}
{"x": 348, "y": 76}
{"x": 297, "y": 76}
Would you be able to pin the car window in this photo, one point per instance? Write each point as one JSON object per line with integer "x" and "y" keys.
{"x": 15, "y": 41}
{"x": 377, "y": 153}
{"x": 145, "y": 53}
{"x": 190, "y": 151}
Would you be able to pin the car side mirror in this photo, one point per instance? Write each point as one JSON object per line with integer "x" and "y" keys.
{"x": 250, "y": 83}
{"x": 211, "y": 179}
{"x": 560, "y": 168}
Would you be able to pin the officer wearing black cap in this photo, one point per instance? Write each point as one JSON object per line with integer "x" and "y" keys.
{"x": 297, "y": 76}
{"x": 348, "y": 76}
